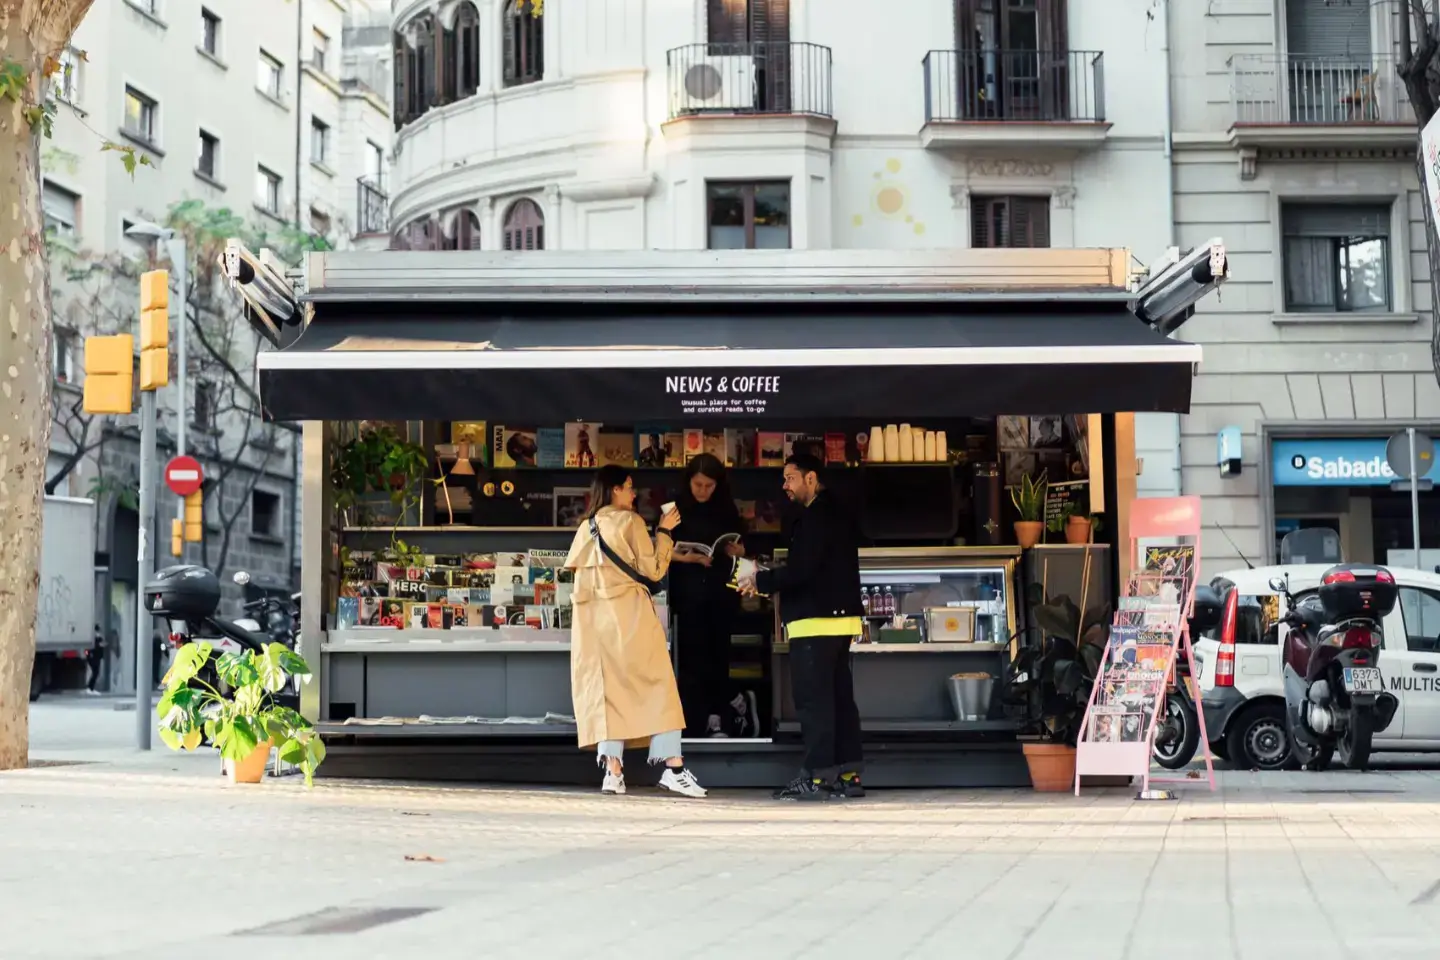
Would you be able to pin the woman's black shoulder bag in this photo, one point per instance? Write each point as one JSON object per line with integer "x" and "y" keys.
{"x": 654, "y": 586}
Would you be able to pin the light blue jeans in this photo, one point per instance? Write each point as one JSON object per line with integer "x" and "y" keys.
{"x": 663, "y": 746}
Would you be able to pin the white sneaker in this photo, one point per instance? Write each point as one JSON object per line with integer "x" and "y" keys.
{"x": 614, "y": 783}
{"x": 681, "y": 781}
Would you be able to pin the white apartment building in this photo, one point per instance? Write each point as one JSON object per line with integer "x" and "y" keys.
{"x": 252, "y": 107}
{"x": 1294, "y": 141}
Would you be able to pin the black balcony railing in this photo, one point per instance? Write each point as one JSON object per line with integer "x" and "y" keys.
{"x": 1018, "y": 86}
{"x": 749, "y": 78}
{"x": 372, "y": 206}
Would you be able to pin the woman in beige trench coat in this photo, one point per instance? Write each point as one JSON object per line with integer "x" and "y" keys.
{"x": 621, "y": 679}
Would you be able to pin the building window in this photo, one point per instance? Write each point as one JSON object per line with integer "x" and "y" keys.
{"x": 1009, "y": 221}
{"x": 270, "y": 75}
{"x": 209, "y": 33}
{"x": 524, "y": 43}
{"x": 748, "y": 216}
{"x": 64, "y": 354}
{"x": 319, "y": 141}
{"x": 264, "y": 514}
{"x": 139, "y": 115}
{"x": 524, "y": 226}
{"x": 202, "y": 415}
{"x": 151, "y": 7}
{"x": 1336, "y": 257}
{"x": 375, "y": 164}
{"x": 467, "y": 49}
{"x": 208, "y": 163}
{"x": 467, "y": 232}
{"x": 61, "y": 209}
{"x": 267, "y": 190}
{"x": 66, "y": 81}
{"x": 319, "y": 50}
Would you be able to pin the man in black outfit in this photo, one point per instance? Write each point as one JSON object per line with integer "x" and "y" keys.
{"x": 819, "y": 589}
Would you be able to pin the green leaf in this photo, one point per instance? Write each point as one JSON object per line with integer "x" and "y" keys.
{"x": 238, "y": 669}
{"x": 236, "y": 738}
{"x": 172, "y": 739}
{"x": 188, "y": 661}
{"x": 271, "y": 667}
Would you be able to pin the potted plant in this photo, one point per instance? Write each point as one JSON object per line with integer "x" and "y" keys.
{"x": 376, "y": 460}
{"x": 1052, "y": 682}
{"x": 245, "y": 721}
{"x": 1077, "y": 520}
{"x": 1029, "y": 500}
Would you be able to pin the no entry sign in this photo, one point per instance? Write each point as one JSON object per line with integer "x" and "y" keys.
{"x": 183, "y": 476}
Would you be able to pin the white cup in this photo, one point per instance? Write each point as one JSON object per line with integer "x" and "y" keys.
{"x": 667, "y": 507}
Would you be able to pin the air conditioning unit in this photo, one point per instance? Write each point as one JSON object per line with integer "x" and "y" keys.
{"x": 718, "y": 83}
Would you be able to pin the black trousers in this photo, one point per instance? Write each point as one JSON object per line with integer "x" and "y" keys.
{"x": 824, "y": 692}
{"x": 704, "y": 676}
{"x": 95, "y": 660}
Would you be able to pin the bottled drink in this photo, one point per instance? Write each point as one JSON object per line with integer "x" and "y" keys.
{"x": 889, "y": 603}
{"x": 865, "y": 600}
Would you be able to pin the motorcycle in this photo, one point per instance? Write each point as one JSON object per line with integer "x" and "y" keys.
{"x": 1335, "y": 698}
{"x": 187, "y": 596}
{"x": 1177, "y": 735}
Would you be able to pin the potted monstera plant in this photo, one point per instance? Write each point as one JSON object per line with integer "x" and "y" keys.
{"x": 244, "y": 722}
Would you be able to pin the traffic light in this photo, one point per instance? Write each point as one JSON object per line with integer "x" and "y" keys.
{"x": 154, "y": 329}
{"x": 177, "y": 540}
{"x": 195, "y": 517}
{"x": 109, "y": 374}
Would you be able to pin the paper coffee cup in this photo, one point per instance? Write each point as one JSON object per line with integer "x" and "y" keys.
{"x": 667, "y": 507}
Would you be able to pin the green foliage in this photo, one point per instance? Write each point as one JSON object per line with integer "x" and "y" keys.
{"x": 1029, "y": 497}
{"x": 377, "y": 460}
{"x": 126, "y": 494}
{"x": 191, "y": 709}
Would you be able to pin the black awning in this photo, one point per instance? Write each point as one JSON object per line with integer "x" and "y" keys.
{"x": 358, "y": 362}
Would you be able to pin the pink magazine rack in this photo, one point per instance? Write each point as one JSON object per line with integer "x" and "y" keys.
{"x": 1150, "y": 629}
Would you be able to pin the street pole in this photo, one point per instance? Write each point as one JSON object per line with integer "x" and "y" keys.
{"x": 144, "y": 626}
{"x": 180, "y": 263}
{"x": 1414, "y": 496}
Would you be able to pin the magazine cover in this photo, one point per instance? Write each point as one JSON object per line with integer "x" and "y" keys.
{"x": 581, "y": 440}
{"x": 694, "y": 443}
{"x": 658, "y": 446}
{"x": 740, "y": 448}
{"x": 837, "y": 448}
{"x": 617, "y": 446}
{"x": 715, "y": 444}
{"x": 512, "y": 575}
{"x": 347, "y": 612}
{"x": 570, "y": 505}
{"x": 769, "y": 449}
{"x": 550, "y": 448}
{"x": 392, "y": 614}
{"x": 514, "y": 446}
{"x": 811, "y": 443}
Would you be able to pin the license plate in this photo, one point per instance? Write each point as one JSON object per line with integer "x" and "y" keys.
{"x": 1363, "y": 680}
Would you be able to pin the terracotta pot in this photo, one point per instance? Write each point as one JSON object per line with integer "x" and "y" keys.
{"x": 1052, "y": 766}
{"x": 252, "y": 768}
{"x": 1028, "y": 532}
{"x": 1077, "y": 530}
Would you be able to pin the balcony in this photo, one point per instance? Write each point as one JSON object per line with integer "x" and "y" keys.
{"x": 372, "y": 207}
{"x": 749, "y": 79}
{"x": 1297, "y": 101}
{"x": 1014, "y": 98}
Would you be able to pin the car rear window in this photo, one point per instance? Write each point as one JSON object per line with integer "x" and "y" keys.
{"x": 1256, "y": 619}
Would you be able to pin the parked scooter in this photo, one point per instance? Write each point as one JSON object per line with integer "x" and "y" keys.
{"x": 1335, "y": 697}
{"x": 187, "y": 596}
{"x": 1177, "y": 736}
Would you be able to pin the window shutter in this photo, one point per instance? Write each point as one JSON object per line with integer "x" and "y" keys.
{"x": 1030, "y": 222}
{"x": 987, "y": 218}
{"x": 1337, "y": 29}
{"x": 727, "y": 21}
{"x": 402, "y": 95}
{"x": 1053, "y": 18}
{"x": 1335, "y": 220}
{"x": 511, "y": 29}
{"x": 449, "y": 65}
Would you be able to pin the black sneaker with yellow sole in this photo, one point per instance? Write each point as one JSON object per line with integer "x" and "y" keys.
{"x": 848, "y": 785}
{"x": 805, "y": 789}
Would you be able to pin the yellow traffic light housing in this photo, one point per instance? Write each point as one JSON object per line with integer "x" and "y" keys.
{"x": 177, "y": 542}
{"x": 109, "y": 374}
{"x": 154, "y": 329}
{"x": 194, "y": 517}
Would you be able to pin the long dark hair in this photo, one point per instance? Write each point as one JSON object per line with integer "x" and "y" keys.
{"x": 607, "y": 478}
{"x": 721, "y": 501}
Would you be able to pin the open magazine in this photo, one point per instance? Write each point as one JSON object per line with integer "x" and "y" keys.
{"x": 689, "y": 547}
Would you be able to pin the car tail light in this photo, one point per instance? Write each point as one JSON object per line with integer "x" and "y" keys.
{"x": 1225, "y": 658}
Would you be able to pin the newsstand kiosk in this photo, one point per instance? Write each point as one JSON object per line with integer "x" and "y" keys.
{"x": 484, "y": 387}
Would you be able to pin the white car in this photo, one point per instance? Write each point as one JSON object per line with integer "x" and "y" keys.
{"x": 1242, "y": 676}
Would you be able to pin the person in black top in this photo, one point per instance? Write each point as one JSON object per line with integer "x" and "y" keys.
{"x": 704, "y": 606}
{"x": 819, "y": 597}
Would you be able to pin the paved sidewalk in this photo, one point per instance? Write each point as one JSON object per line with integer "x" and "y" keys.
{"x": 157, "y": 857}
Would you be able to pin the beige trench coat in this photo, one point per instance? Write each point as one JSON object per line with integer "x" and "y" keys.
{"x": 621, "y": 679}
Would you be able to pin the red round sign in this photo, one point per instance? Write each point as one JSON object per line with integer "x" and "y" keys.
{"x": 183, "y": 475}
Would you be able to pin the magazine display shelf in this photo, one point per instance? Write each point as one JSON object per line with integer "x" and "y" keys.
{"x": 903, "y": 687}
{"x": 1150, "y": 631}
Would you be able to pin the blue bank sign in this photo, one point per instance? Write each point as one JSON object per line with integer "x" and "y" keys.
{"x": 1332, "y": 463}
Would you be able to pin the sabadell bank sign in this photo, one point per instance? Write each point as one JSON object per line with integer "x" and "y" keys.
{"x": 1331, "y": 463}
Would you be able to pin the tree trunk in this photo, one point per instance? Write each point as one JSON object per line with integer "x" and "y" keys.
{"x": 24, "y": 399}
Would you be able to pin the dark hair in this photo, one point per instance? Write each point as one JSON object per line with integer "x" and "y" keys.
{"x": 705, "y": 465}
{"x": 807, "y": 463}
{"x": 607, "y": 478}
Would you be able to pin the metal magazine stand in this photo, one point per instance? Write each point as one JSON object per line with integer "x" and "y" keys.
{"x": 1150, "y": 629}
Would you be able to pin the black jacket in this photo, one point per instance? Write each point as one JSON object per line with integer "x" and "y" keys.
{"x": 821, "y": 574}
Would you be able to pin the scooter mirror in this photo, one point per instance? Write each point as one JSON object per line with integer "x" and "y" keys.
{"x": 242, "y": 578}
{"x": 1278, "y": 584}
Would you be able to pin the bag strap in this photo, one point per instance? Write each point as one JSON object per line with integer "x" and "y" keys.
{"x": 653, "y": 586}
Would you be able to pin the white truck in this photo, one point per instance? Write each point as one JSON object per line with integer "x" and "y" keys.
{"x": 1242, "y": 674}
{"x": 65, "y": 608}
